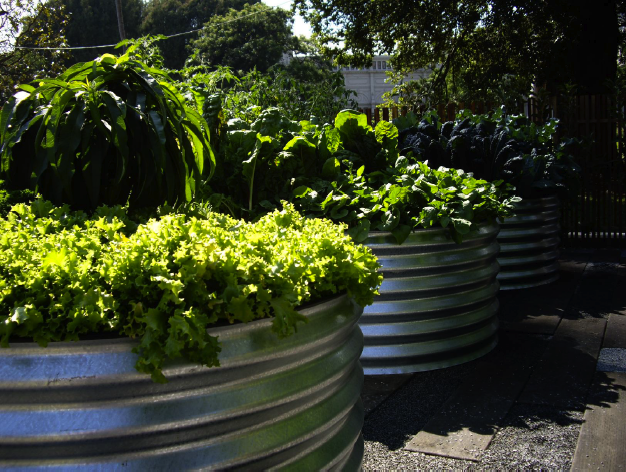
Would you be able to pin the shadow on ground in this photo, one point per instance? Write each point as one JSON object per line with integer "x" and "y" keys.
{"x": 553, "y": 374}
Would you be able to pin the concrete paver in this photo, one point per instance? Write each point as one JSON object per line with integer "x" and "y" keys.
{"x": 505, "y": 411}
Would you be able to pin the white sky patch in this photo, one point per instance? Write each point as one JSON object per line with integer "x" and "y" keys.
{"x": 300, "y": 27}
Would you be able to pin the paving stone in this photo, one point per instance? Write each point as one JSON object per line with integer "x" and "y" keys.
{"x": 466, "y": 424}
{"x": 615, "y": 335}
{"x": 534, "y": 324}
{"x": 602, "y": 441}
{"x": 600, "y": 291}
{"x": 539, "y": 310}
{"x": 563, "y": 375}
{"x": 612, "y": 359}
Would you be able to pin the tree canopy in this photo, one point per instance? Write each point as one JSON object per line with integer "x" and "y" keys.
{"x": 255, "y": 37}
{"x": 94, "y": 22}
{"x": 176, "y": 16}
{"x": 472, "y": 44}
{"x": 29, "y": 23}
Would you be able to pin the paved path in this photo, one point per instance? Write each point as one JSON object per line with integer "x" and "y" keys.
{"x": 536, "y": 401}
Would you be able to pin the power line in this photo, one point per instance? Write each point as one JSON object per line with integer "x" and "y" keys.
{"x": 166, "y": 36}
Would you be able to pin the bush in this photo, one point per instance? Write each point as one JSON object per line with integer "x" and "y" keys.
{"x": 110, "y": 131}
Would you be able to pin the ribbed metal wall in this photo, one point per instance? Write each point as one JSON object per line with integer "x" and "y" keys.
{"x": 437, "y": 305}
{"x": 290, "y": 403}
{"x": 529, "y": 244}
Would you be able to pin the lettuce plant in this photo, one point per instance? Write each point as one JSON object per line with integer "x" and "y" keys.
{"x": 64, "y": 275}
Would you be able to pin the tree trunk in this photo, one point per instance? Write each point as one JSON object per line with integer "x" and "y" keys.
{"x": 120, "y": 20}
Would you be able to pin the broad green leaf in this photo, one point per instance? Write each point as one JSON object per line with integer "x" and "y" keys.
{"x": 360, "y": 232}
{"x": 401, "y": 232}
{"x": 331, "y": 168}
{"x": 461, "y": 225}
{"x": 350, "y": 116}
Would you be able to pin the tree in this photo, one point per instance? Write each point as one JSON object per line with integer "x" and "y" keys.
{"x": 94, "y": 23}
{"x": 255, "y": 37}
{"x": 177, "y": 16}
{"x": 28, "y": 23}
{"x": 473, "y": 44}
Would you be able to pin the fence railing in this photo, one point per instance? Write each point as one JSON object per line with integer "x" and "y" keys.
{"x": 596, "y": 217}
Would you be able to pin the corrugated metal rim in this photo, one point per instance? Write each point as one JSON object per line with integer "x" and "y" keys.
{"x": 273, "y": 403}
{"x": 438, "y": 303}
{"x": 529, "y": 244}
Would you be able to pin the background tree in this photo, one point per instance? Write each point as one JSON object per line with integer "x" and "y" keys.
{"x": 29, "y": 23}
{"x": 471, "y": 45}
{"x": 176, "y": 16}
{"x": 255, "y": 37}
{"x": 94, "y": 22}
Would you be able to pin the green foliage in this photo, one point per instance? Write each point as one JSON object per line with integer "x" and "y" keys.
{"x": 407, "y": 196}
{"x": 498, "y": 146}
{"x": 348, "y": 172}
{"x": 110, "y": 131}
{"x": 296, "y": 90}
{"x": 8, "y": 198}
{"x": 308, "y": 87}
{"x": 506, "y": 89}
{"x": 263, "y": 162}
{"x": 27, "y": 23}
{"x": 472, "y": 47}
{"x": 146, "y": 49}
{"x": 259, "y": 161}
{"x": 256, "y": 37}
{"x": 94, "y": 23}
{"x": 63, "y": 276}
{"x": 176, "y": 16}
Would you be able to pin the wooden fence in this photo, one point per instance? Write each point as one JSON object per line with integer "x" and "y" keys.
{"x": 596, "y": 217}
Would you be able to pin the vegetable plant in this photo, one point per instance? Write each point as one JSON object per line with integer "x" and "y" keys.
{"x": 8, "y": 198}
{"x": 350, "y": 173}
{"x": 64, "y": 275}
{"x": 408, "y": 196}
{"x": 109, "y": 131}
{"x": 265, "y": 160}
{"x": 495, "y": 147}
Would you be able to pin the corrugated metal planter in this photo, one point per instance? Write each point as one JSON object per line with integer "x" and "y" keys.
{"x": 437, "y": 305}
{"x": 529, "y": 244}
{"x": 273, "y": 403}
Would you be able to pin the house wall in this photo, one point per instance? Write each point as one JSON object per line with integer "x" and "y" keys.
{"x": 369, "y": 83}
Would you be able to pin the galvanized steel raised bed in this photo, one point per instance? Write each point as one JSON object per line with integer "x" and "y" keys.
{"x": 437, "y": 305}
{"x": 273, "y": 403}
{"x": 529, "y": 244}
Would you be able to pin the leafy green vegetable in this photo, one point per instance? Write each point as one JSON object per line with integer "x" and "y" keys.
{"x": 350, "y": 173}
{"x": 8, "y": 198}
{"x": 496, "y": 147}
{"x": 408, "y": 196}
{"x": 109, "y": 131}
{"x": 63, "y": 275}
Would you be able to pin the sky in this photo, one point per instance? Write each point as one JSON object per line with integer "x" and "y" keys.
{"x": 300, "y": 28}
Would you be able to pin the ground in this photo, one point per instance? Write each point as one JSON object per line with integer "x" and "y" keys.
{"x": 552, "y": 395}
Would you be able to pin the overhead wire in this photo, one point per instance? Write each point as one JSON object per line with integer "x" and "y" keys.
{"x": 166, "y": 36}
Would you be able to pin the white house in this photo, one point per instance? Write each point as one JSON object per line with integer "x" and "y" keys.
{"x": 369, "y": 83}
